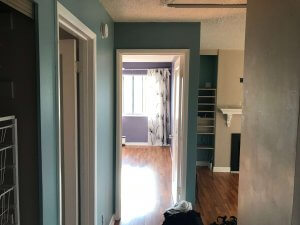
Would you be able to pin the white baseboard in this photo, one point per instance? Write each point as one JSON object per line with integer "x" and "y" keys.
{"x": 136, "y": 143}
{"x": 202, "y": 163}
{"x": 221, "y": 169}
{"x": 112, "y": 220}
{"x": 235, "y": 172}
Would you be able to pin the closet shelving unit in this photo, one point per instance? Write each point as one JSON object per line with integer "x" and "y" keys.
{"x": 9, "y": 185}
{"x": 206, "y": 120}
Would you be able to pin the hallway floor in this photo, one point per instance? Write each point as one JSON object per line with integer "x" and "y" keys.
{"x": 146, "y": 185}
{"x": 217, "y": 194}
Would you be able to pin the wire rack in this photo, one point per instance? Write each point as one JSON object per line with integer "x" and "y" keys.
{"x": 6, "y": 217}
{"x": 9, "y": 185}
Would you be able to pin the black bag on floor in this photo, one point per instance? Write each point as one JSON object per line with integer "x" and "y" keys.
{"x": 184, "y": 218}
{"x": 222, "y": 220}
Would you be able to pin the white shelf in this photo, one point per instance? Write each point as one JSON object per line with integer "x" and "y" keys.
{"x": 229, "y": 112}
{"x": 206, "y": 125}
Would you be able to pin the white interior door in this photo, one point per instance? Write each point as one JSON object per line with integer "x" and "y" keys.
{"x": 176, "y": 124}
{"x": 68, "y": 86}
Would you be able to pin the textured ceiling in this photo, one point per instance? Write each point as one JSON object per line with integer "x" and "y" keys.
{"x": 154, "y": 11}
{"x": 223, "y": 33}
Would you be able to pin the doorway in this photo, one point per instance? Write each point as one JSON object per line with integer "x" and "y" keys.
{"x": 220, "y": 103}
{"x": 77, "y": 119}
{"x": 151, "y": 142}
{"x": 19, "y": 85}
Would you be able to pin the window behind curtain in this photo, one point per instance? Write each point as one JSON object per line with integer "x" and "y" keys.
{"x": 134, "y": 94}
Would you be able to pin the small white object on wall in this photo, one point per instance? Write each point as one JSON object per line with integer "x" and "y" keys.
{"x": 123, "y": 140}
{"x": 104, "y": 30}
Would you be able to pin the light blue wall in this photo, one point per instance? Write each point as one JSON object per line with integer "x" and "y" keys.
{"x": 47, "y": 60}
{"x": 92, "y": 14}
{"x": 170, "y": 36}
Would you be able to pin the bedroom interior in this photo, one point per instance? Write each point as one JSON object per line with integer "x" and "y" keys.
{"x": 148, "y": 110}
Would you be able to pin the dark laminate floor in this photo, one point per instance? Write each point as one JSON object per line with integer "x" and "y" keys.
{"x": 146, "y": 185}
{"x": 217, "y": 194}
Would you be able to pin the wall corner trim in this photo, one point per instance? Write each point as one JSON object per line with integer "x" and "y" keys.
{"x": 23, "y": 6}
{"x": 112, "y": 220}
{"x": 221, "y": 169}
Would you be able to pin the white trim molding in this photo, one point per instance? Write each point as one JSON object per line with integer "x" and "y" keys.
{"x": 88, "y": 119}
{"x": 184, "y": 55}
{"x": 221, "y": 169}
{"x": 137, "y": 144}
{"x": 23, "y": 6}
{"x": 112, "y": 220}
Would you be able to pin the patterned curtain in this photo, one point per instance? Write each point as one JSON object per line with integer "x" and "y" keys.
{"x": 158, "y": 106}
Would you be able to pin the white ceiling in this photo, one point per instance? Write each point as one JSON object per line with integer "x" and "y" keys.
{"x": 223, "y": 33}
{"x": 220, "y": 28}
{"x": 155, "y": 11}
{"x": 148, "y": 58}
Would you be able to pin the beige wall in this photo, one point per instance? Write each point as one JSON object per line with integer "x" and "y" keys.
{"x": 268, "y": 183}
{"x": 229, "y": 93}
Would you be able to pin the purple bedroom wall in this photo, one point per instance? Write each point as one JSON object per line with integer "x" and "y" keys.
{"x": 135, "y": 128}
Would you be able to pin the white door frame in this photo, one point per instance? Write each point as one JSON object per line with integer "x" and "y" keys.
{"x": 185, "y": 55}
{"x": 88, "y": 117}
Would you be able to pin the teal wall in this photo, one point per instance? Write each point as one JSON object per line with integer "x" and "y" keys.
{"x": 208, "y": 73}
{"x": 170, "y": 36}
{"x": 92, "y": 14}
{"x": 208, "y": 70}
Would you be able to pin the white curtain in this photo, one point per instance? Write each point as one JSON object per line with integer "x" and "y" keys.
{"x": 158, "y": 106}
